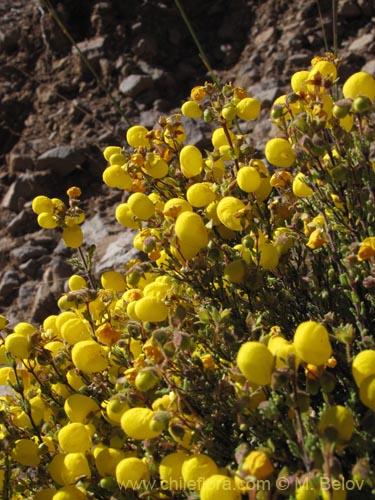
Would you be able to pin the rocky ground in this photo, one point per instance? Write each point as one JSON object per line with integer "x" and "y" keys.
{"x": 55, "y": 119}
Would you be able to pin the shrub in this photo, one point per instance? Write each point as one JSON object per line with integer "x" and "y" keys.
{"x": 236, "y": 355}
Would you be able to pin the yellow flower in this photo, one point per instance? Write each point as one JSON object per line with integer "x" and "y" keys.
{"x": 367, "y": 249}
{"x": 257, "y": 464}
{"x": 311, "y": 341}
{"x": 198, "y": 93}
{"x": 316, "y": 239}
{"x": 74, "y": 192}
{"x": 359, "y": 84}
{"x": 279, "y": 152}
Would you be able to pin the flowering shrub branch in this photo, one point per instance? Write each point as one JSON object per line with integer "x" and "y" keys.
{"x": 235, "y": 358}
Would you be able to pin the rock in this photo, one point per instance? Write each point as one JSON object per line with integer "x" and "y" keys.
{"x": 32, "y": 267}
{"x": 91, "y": 48}
{"x": 361, "y": 44}
{"x": 45, "y": 94}
{"x": 18, "y": 162}
{"x": 23, "y": 222}
{"x": 265, "y": 36}
{"x": 145, "y": 47}
{"x": 61, "y": 160}
{"x": 118, "y": 252}
{"x": 265, "y": 94}
{"x": 26, "y": 295}
{"x": 24, "y": 187}
{"x": 196, "y": 133}
{"x": 95, "y": 229}
{"x": 27, "y": 252}
{"x": 349, "y": 9}
{"x": 44, "y": 302}
{"x": 134, "y": 85}
{"x": 9, "y": 39}
{"x": 369, "y": 67}
{"x": 8, "y": 284}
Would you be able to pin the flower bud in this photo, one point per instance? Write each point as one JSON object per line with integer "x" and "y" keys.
{"x": 361, "y": 104}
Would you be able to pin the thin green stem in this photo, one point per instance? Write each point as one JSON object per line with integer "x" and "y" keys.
{"x": 87, "y": 268}
{"x": 85, "y": 60}
{"x": 322, "y": 26}
{"x": 202, "y": 53}
{"x": 334, "y": 27}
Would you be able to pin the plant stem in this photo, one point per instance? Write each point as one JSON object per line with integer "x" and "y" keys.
{"x": 334, "y": 27}
{"x": 322, "y": 26}
{"x": 197, "y": 42}
{"x": 88, "y": 271}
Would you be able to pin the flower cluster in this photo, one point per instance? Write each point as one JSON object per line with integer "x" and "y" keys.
{"x": 52, "y": 213}
{"x": 235, "y": 357}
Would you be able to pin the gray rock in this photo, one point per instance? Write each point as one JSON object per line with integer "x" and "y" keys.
{"x": 27, "y": 252}
{"x": 44, "y": 302}
{"x": 8, "y": 283}
{"x": 369, "y": 67}
{"x": 32, "y": 267}
{"x": 19, "y": 163}
{"x": 134, "y": 85}
{"x": 26, "y": 296}
{"x": 265, "y": 94}
{"x": 196, "y": 133}
{"x": 61, "y": 160}
{"x": 25, "y": 187}
{"x": 118, "y": 252}
{"x": 23, "y": 222}
{"x": 95, "y": 229}
{"x": 89, "y": 46}
{"x": 362, "y": 43}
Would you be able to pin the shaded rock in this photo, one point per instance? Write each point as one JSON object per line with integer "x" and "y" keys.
{"x": 133, "y": 85}
{"x": 9, "y": 39}
{"x": 22, "y": 223}
{"x": 196, "y": 133}
{"x": 19, "y": 162}
{"x": 61, "y": 160}
{"x": 44, "y": 302}
{"x": 32, "y": 267}
{"x": 27, "y": 252}
{"x": 349, "y": 9}
{"x": 26, "y": 296}
{"x": 24, "y": 187}
{"x": 8, "y": 284}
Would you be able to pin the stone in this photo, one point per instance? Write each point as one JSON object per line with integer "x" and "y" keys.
{"x": 369, "y": 67}
{"x": 118, "y": 252}
{"x": 27, "y": 252}
{"x": 362, "y": 43}
{"x": 8, "y": 284}
{"x": 61, "y": 160}
{"x": 26, "y": 295}
{"x": 23, "y": 222}
{"x": 19, "y": 163}
{"x": 44, "y": 299}
{"x": 95, "y": 44}
{"x": 9, "y": 39}
{"x": 133, "y": 85}
{"x": 23, "y": 188}
{"x": 265, "y": 94}
{"x": 349, "y": 9}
